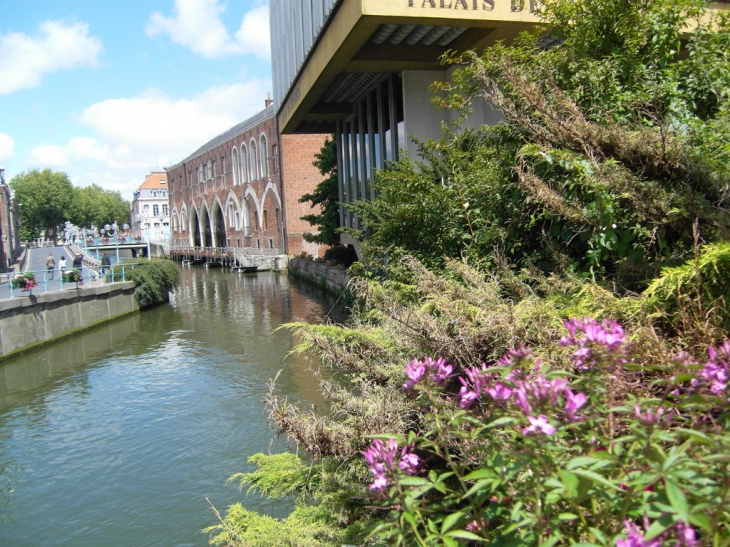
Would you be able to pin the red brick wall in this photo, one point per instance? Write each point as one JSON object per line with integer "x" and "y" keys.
{"x": 297, "y": 175}
{"x": 301, "y": 177}
{"x": 184, "y": 188}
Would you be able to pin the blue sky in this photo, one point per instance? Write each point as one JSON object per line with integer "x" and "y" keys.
{"x": 109, "y": 90}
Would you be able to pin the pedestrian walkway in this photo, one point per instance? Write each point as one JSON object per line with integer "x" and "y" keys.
{"x": 44, "y": 284}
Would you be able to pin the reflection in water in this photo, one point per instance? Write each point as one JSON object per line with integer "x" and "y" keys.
{"x": 116, "y": 436}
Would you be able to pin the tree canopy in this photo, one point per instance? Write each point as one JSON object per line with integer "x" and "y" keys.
{"x": 96, "y": 206}
{"x": 326, "y": 196}
{"x": 47, "y": 199}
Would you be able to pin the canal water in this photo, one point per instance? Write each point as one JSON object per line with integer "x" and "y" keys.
{"x": 119, "y": 436}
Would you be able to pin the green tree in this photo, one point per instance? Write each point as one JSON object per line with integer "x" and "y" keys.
{"x": 326, "y": 196}
{"x": 45, "y": 200}
{"x": 97, "y": 206}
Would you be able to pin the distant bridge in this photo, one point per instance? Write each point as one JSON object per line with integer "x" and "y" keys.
{"x": 127, "y": 247}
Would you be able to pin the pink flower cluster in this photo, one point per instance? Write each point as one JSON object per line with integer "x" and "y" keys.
{"x": 530, "y": 393}
{"x": 685, "y": 536}
{"x": 653, "y": 417}
{"x": 714, "y": 373}
{"x": 382, "y": 458}
{"x": 435, "y": 370}
{"x": 594, "y": 340}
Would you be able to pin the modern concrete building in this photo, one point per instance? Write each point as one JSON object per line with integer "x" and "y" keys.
{"x": 151, "y": 210}
{"x": 240, "y": 190}
{"x": 362, "y": 69}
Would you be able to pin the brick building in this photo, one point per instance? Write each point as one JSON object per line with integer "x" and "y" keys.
{"x": 9, "y": 225}
{"x": 241, "y": 189}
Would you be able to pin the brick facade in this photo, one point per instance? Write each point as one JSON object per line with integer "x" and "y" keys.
{"x": 227, "y": 195}
{"x": 301, "y": 177}
{"x": 9, "y": 226}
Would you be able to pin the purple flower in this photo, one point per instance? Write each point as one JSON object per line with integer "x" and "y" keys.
{"x": 381, "y": 458}
{"x": 573, "y": 401}
{"x": 415, "y": 370}
{"x": 437, "y": 370}
{"x": 714, "y": 375}
{"x": 591, "y": 338}
{"x": 515, "y": 357}
{"x": 686, "y": 535}
{"x": 634, "y": 538}
{"x": 538, "y": 391}
{"x": 499, "y": 392}
{"x": 539, "y": 425}
{"x": 649, "y": 417}
{"x": 477, "y": 525}
{"x": 474, "y": 385}
{"x": 380, "y": 482}
{"x": 409, "y": 462}
{"x": 467, "y": 396}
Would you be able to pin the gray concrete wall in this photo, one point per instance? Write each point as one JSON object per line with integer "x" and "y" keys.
{"x": 330, "y": 278}
{"x": 29, "y": 321}
{"x": 423, "y": 119}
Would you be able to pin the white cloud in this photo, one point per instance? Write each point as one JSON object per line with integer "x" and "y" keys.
{"x": 197, "y": 25}
{"x": 134, "y": 136}
{"x": 253, "y": 35}
{"x": 7, "y": 147}
{"x": 25, "y": 59}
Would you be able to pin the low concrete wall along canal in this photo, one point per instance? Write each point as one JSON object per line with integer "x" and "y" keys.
{"x": 36, "y": 319}
{"x": 330, "y": 278}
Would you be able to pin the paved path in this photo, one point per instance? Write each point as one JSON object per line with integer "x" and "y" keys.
{"x": 36, "y": 262}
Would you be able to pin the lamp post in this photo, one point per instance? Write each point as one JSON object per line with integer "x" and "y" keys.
{"x": 112, "y": 231}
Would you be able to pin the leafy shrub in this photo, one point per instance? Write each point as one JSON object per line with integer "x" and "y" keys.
{"x": 319, "y": 519}
{"x": 25, "y": 281}
{"x": 696, "y": 287}
{"x": 342, "y": 255}
{"x": 613, "y": 146}
{"x": 516, "y": 453}
{"x": 71, "y": 276}
{"x": 154, "y": 280}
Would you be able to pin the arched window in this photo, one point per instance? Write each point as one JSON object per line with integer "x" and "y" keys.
{"x": 264, "y": 150}
{"x": 234, "y": 155}
{"x": 275, "y": 155}
{"x": 246, "y": 218}
{"x": 252, "y": 158}
{"x": 231, "y": 217}
{"x": 244, "y": 163}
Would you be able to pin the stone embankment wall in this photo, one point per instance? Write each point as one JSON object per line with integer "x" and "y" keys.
{"x": 39, "y": 318}
{"x": 330, "y": 278}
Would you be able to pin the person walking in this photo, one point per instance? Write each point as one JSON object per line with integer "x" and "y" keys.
{"x": 50, "y": 264}
{"x": 78, "y": 265}
{"x": 106, "y": 266}
{"x": 62, "y": 266}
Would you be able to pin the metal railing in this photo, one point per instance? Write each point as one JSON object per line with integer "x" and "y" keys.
{"x": 240, "y": 256}
{"x": 45, "y": 281}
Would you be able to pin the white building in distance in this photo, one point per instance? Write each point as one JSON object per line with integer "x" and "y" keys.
{"x": 151, "y": 210}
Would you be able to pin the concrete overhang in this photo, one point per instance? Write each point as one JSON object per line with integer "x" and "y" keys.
{"x": 350, "y": 44}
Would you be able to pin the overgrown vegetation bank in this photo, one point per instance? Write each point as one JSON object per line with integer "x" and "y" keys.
{"x": 537, "y": 351}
